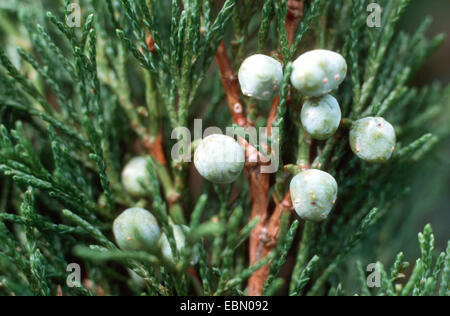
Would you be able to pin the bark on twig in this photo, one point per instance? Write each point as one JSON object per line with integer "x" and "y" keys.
{"x": 293, "y": 18}
{"x": 263, "y": 238}
{"x": 259, "y": 183}
{"x": 273, "y": 114}
{"x": 231, "y": 86}
{"x": 155, "y": 149}
{"x": 266, "y": 234}
{"x": 150, "y": 41}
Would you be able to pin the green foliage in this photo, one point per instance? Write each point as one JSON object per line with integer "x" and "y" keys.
{"x": 77, "y": 103}
{"x": 427, "y": 277}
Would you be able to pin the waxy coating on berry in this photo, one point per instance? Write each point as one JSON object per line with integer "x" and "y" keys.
{"x": 137, "y": 280}
{"x": 373, "y": 139}
{"x": 134, "y": 172}
{"x": 260, "y": 77}
{"x": 137, "y": 229}
{"x": 318, "y": 72}
{"x": 321, "y": 117}
{"x": 313, "y": 194}
{"x": 219, "y": 159}
{"x": 179, "y": 233}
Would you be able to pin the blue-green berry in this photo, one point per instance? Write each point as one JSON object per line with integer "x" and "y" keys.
{"x": 137, "y": 280}
{"x": 179, "y": 233}
{"x": 318, "y": 72}
{"x": 260, "y": 77}
{"x": 313, "y": 194}
{"x": 135, "y": 171}
{"x": 373, "y": 139}
{"x": 137, "y": 229}
{"x": 219, "y": 159}
{"x": 321, "y": 116}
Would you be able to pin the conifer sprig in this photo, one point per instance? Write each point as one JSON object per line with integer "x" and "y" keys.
{"x": 77, "y": 103}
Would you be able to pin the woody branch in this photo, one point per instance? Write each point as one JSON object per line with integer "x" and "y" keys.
{"x": 264, "y": 237}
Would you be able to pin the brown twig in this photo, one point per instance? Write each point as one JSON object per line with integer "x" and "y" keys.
{"x": 272, "y": 114}
{"x": 265, "y": 235}
{"x": 155, "y": 149}
{"x": 263, "y": 238}
{"x": 59, "y": 291}
{"x": 293, "y": 18}
{"x": 231, "y": 86}
{"x": 259, "y": 183}
{"x": 150, "y": 41}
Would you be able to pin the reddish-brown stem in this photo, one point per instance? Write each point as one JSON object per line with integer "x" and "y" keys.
{"x": 231, "y": 86}
{"x": 155, "y": 149}
{"x": 293, "y": 17}
{"x": 265, "y": 235}
{"x": 272, "y": 114}
{"x": 59, "y": 291}
{"x": 150, "y": 41}
{"x": 263, "y": 238}
{"x": 258, "y": 182}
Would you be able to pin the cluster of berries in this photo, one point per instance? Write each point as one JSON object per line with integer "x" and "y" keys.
{"x": 136, "y": 229}
{"x": 220, "y": 159}
{"x": 315, "y": 75}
